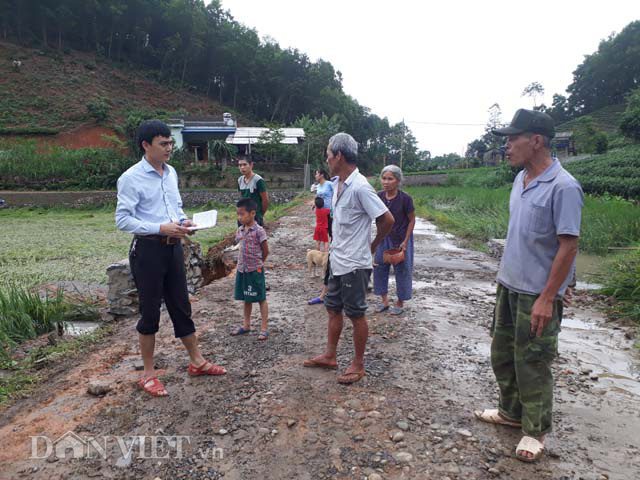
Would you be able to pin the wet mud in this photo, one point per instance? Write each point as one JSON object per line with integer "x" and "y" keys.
{"x": 410, "y": 417}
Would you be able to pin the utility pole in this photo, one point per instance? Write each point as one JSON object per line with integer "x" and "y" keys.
{"x": 306, "y": 170}
{"x": 401, "y": 143}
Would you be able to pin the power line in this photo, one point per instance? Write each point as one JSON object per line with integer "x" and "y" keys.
{"x": 448, "y": 124}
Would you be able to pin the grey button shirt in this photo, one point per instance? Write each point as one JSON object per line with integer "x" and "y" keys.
{"x": 551, "y": 205}
{"x": 353, "y": 211}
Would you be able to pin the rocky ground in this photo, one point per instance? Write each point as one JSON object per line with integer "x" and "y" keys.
{"x": 410, "y": 417}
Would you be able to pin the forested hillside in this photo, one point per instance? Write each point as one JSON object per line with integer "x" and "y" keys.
{"x": 185, "y": 45}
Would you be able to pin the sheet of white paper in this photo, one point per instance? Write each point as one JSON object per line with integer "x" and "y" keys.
{"x": 204, "y": 220}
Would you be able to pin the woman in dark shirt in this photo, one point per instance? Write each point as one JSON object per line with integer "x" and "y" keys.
{"x": 400, "y": 204}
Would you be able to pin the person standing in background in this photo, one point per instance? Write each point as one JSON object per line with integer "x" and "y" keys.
{"x": 251, "y": 185}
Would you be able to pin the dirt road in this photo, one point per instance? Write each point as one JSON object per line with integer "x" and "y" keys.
{"x": 270, "y": 418}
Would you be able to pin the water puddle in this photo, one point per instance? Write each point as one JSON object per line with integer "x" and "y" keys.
{"x": 587, "y": 286}
{"x": 423, "y": 227}
{"x": 585, "y": 335}
{"x": 416, "y": 284}
{"x": 578, "y": 324}
{"x": 603, "y": 350}
{"x": 588, "y": 266}
{"x": 76, "y": 329}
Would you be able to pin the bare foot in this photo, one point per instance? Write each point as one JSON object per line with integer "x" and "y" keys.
{"x": 321, "y": 361}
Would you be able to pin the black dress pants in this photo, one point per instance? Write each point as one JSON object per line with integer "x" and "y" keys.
{"x": 158, "y": 271}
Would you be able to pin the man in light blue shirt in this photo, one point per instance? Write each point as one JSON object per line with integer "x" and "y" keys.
{"x": 537, "y": 265}
{"x": 149, "y": 206}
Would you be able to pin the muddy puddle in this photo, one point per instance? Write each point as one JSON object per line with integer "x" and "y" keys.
{"x": 589, "y": 267}
{"x": 597, "y": 372}
{"x": 586, "y": 336}
{"x": 602, "y": 352}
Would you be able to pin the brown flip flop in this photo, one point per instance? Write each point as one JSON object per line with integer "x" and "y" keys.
{"x": 349, "y": 378}
{"x": 311, "y": 363}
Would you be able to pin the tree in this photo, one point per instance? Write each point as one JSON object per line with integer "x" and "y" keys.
{"x": 477, "y": 148}
{"x": 630, "y": 121}
{"x": 317, "y": 132}
{"x": 533, "y": 90}
{"x": 203, "y": 48}
{"x": 220, "y": 150}
{"x": 607, "y": 75}
{"x": 588, "y": 138}
{"x": 270, "y": 142}
{"x": 559, "y": 110}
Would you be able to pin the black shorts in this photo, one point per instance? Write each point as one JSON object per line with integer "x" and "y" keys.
{"x": 348, "y": 292}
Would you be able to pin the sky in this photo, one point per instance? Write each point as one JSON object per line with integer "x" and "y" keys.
{"x": 442, "y": 61}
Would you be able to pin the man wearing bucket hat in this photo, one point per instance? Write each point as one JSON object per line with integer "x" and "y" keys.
{"x": 537, "y": 265}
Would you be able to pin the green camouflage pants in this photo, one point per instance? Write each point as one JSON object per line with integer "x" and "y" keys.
{"x": 522, "y": 362}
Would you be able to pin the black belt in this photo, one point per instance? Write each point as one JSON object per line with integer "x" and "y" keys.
{"x": 163, "y": 239}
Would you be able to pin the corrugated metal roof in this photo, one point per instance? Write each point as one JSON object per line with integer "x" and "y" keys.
{"x": 251, "y": 135}
{"x": 208, "y": 130}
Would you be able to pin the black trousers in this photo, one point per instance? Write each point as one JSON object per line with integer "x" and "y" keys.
{"x": 158, "y": 271}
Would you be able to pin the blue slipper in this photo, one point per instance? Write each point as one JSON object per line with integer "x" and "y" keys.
{"x": 381, "y": 308}
{"x": 240, "y": 331}
{"x": 315, "y": 301}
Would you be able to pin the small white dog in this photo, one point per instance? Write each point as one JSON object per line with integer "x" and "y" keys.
{"x": 316, "y": 258}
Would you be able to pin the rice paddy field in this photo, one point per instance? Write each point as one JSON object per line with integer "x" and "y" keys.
{"x": 48, "y": 245}
{"x": 478, "y": 214}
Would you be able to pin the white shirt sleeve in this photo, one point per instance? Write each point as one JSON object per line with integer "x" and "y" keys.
{"x": 370, "y": 201}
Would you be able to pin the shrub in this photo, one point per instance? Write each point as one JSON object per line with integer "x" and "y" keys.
{"x": 99, "y": 109}
{"x": 24, "y": 166}
{"x": 630, "y": 122}
{"x": 616, "y": 172}
{"x": 588, "y": 138}
{"x": 623, "y": 284}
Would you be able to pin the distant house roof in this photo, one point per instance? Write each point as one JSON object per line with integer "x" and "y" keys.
{"x": 563, "y": 135}
{"x": 203, "y": 128}
{"x": 251, "y": 135}
{"x": 204, "y": 124}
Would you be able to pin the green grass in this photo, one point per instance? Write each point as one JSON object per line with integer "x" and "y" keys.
{"x": 41, "y": 245}
{"x": 475, "y": 214}
{"x": 47, "y": 245}
{"x": 478, "y": 214}
{"x": 25, "y": 315}
{"x": 623, "y": 284}
{"x": 463, "y": 171}
{"x": 22, "y": 376}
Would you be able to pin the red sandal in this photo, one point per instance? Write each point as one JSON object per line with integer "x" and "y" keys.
{"x": 153, "y": 387}
{"x": 206, "y": 368}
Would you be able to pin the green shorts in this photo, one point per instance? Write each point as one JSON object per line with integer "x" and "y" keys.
{"x": 250, "y": 287}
